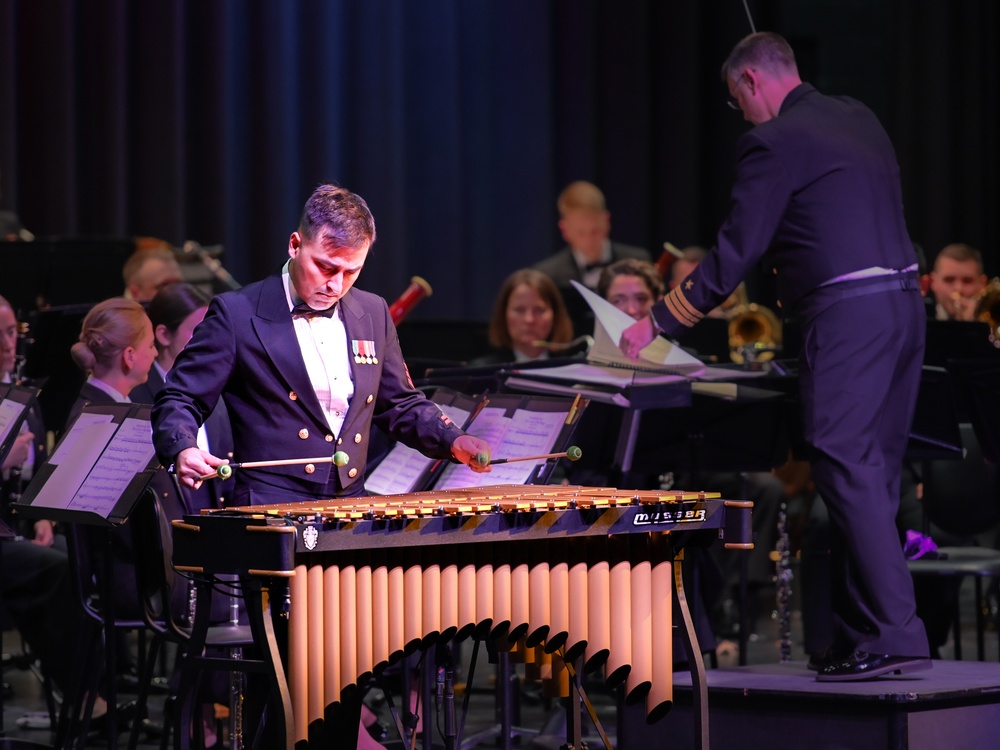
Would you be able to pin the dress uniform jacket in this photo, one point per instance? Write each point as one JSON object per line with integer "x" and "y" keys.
{"x": 246, "y": 352}
{"x": 818, "y": 197}
{"x": 211, "y": 494}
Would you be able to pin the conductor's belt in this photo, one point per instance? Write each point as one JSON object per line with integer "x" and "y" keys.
{"x": 822, "y": 297}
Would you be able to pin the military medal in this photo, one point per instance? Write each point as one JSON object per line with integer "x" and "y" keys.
{"x": 364, "y": 351}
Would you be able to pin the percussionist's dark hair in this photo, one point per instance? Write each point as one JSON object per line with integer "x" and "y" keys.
{"x": 342, "y": 215}
{"x": 173, "y": 303}
{"x": 764, "y": 50}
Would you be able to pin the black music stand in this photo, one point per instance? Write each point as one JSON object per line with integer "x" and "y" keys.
{"x": 95, "y": 476}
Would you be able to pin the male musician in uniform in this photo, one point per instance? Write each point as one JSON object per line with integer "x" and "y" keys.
{"x": 585, "y": 225}
{"x": 818, "y": 192}
{"x": 957, "y": 281}
{"x": 305, "y": 364}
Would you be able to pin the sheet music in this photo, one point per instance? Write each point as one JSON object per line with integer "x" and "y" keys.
{"x": 581, "y": 372}
{"x": 610, "y": 323}
{"x": 95, "y": 462}
{"x": 403, "y": 466}
{"x": 527, "y": 433}
{"x": 129, "y": 452}
{"x": 77, "y": 453}
{"x": 10, "y": 411}
{"x": 79, "y": 431}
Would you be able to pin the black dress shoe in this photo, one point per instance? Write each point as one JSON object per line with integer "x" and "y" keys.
{"x": 864, "y": 666}
{"x": 820, "y": 661}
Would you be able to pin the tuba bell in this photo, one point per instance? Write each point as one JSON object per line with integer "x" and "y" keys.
{"x": 754, "y": 334}
{"x": 988, "y": 310}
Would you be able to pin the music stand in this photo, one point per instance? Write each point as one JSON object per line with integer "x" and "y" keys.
{"x": 95, "y": 476}
{"x": 15, "y": 401}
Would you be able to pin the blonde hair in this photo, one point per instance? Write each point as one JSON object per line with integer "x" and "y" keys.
{"x": 109, "y": 328}
{"x": 581, "y": 196}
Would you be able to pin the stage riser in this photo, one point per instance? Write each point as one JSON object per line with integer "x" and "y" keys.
{"x": 953, "y": 706}
{"x": 789, "y": 727}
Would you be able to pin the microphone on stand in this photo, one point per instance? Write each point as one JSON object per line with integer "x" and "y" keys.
{"x": 207, "y": 256}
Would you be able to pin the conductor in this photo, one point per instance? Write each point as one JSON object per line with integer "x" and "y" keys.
{"x": 305, "y": 364}
{"x": 818, "y": 197}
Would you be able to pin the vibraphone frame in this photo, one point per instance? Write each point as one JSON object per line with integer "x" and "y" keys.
{"x": 517, "y": 513}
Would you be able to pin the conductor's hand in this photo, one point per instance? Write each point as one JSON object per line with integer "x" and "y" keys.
{"x": 636, "y": 337}
{"x": 467, "y": 448}
{"x": 193, "y": 463}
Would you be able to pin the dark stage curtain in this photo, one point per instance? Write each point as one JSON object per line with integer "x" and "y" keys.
{"x": 458, "y": 120}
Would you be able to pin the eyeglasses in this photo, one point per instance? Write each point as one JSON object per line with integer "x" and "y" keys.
{"x": 731, "y": 101}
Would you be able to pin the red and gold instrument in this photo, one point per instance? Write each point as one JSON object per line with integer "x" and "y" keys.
{"x": 416, "y": 291}
{"x": 578, "y": 571}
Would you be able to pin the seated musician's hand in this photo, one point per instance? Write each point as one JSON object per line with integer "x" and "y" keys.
{"x": 20, "y": 451}
{"x": 637, "y": 337}
{"x": 45, "y": 534}
{"x": 193, "y": 463}
{"x": 469, "y": 449}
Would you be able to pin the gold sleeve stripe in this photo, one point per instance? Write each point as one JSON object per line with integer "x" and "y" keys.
{"x": 681, "y": 309}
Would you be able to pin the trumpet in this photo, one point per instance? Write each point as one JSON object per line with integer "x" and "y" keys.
{"x": 988, "y": 310}
{"x": 754, "y": 334}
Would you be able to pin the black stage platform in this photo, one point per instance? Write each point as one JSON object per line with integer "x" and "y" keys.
{"x": 954, "y": 706}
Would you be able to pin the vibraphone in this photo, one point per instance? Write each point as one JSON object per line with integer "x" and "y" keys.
{"x": 583, "y": 571}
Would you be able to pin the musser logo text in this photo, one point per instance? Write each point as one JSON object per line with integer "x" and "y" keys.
{"x": 681, "y": 515}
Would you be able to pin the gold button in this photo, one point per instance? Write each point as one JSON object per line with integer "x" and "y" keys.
{"x": 357, "y": 438}
{"x": 310, "y": 468}
{"x": 779, "y": 304}
{"x": 303, "y": 433}
{"x": 329, "y": 438}
{"x": 774, "y": 271}
{"x": 352, "y": 473}
{"x": 340, "y": 440}
{"x": 293, "y": 395}
{"x": 369, "y": 399}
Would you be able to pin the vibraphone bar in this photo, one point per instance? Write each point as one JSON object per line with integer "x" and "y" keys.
{"x": 591, "y": 575}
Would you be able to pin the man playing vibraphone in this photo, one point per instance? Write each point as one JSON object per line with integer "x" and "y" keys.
{"x": 305, "y": 364}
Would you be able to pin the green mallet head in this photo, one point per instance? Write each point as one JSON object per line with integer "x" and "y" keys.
{"x": 224, "y": 471}
{"x": 573, "y": 453}
{"x": 341, "y": 459}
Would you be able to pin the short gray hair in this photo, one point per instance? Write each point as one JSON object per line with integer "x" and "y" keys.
{"x": 764, "y": 50}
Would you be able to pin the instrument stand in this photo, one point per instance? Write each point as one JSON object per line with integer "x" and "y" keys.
{"x": 445, "y": 695}
{"x": 577, "y": 697}
{"x": 503, "y": 732}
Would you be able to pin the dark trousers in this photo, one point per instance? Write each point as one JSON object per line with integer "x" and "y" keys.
{"x": 860, "y": 371}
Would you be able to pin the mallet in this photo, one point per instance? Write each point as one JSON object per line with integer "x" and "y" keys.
{"x": 226, "y": 470}
{"x": 572, "y": 453}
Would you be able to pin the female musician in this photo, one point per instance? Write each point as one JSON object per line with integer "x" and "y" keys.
{"x": 116, "y": 350}
{"x": 529, "y": 313}
{"x": 632, "y": 286}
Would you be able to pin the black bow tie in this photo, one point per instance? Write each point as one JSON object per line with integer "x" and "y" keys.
{"x": 303, "y": 309}
{"x": 600, "y": 265}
